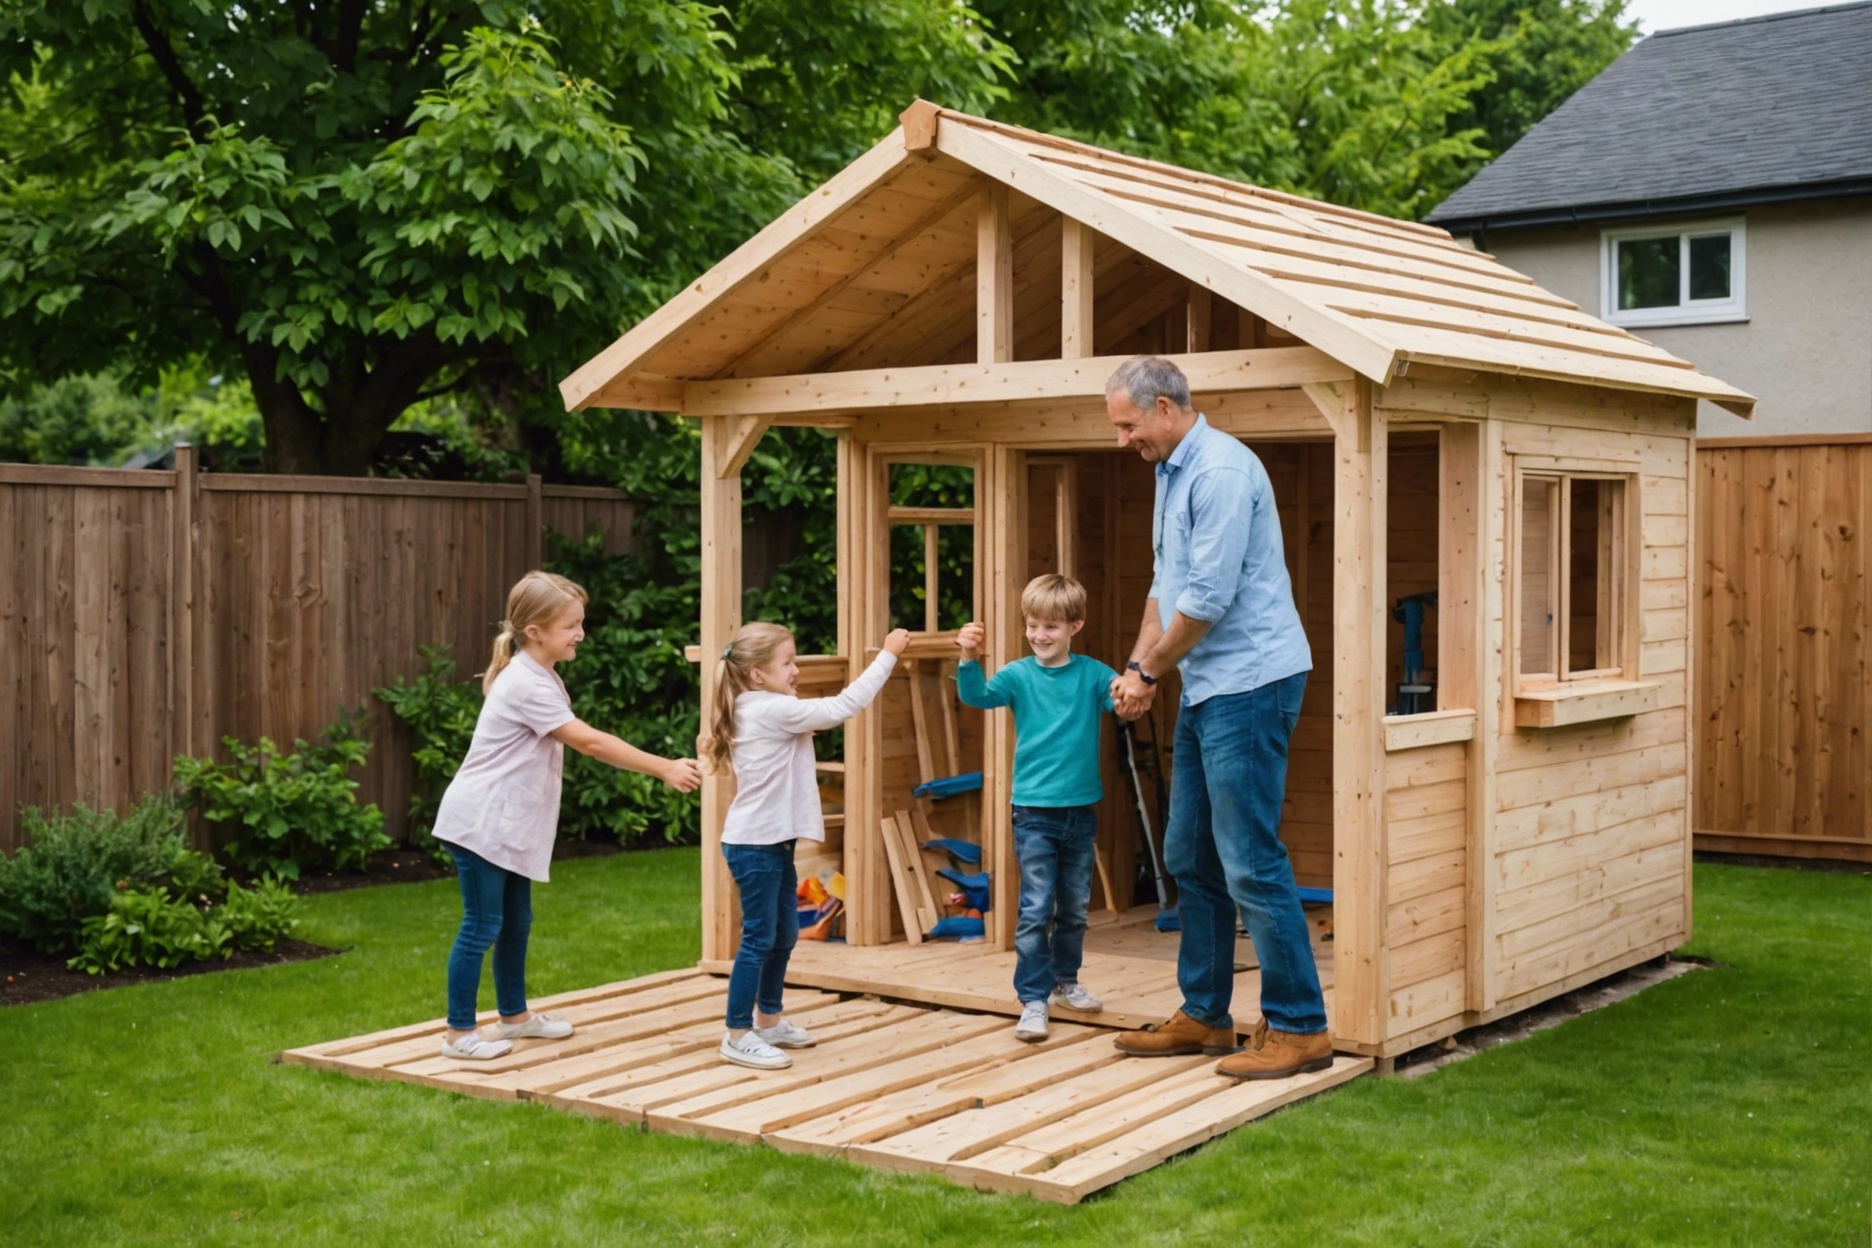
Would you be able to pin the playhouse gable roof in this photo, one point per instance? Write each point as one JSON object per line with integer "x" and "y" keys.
{"x": 876, "y": 269}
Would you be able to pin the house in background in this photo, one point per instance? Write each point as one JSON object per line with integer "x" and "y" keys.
{"x": 1711, "y": 191}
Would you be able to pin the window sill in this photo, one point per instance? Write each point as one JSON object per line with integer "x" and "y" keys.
{"x": 1412, "y": 732}
{"x": 1584, "y": 702}
{"x": 1670, "y": 317}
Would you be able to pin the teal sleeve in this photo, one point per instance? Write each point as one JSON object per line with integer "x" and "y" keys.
{"x": 1106, "y": 676}
{"x": 977, "y": 691}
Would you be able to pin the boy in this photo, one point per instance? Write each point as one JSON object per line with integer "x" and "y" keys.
{"x": 1057, "y": 697}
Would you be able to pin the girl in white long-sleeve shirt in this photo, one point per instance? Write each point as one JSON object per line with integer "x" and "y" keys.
{"x": 763, "y": 728}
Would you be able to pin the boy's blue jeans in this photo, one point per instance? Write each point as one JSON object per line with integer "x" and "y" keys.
{"x": 497, "y": 911}
{"x": 1055, "y": 846}
{"x": 1223, "y": 847}
{"x": 769, "y": 887}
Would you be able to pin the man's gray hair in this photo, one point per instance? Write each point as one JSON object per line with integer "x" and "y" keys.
{"x": 1146, "y": 378}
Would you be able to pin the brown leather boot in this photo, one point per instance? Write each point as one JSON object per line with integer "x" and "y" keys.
{"x": 1280, "y": 1053}
{"x": 1178, "y": 1037}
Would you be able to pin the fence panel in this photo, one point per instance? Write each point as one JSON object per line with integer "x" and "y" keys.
{"x": 1783, "y": 692}
{"x": 152, "y": 613}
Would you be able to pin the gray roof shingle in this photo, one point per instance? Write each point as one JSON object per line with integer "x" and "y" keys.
{"x": 1779, "y": 104}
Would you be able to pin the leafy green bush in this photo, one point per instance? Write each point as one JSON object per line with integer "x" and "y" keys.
{"x": 148, "y": 927}
{"x": 261, "y": 916}
{"x": 70, "y": 866}
{"x": 441, "y": 712}
{"x": 283, "y": 814}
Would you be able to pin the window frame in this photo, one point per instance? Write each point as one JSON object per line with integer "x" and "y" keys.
{"x": 1686, "y": 311}
{"x": 1621, "y": 568}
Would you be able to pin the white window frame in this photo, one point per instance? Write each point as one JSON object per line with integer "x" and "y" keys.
{"x": 1686, "y": 311}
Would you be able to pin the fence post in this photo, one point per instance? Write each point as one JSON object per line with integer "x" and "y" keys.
{"x": 535, "y": 523}
{"x": 182, "y": 603}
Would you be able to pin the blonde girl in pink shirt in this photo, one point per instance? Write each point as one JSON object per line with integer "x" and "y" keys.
{"x": 764, "y": 729}
{"x": 501, "y": 811}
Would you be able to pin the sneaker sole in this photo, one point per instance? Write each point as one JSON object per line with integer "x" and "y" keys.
{"x": 478, "y": 1055}
{"x": 752, "y": 1063}
{"x": 1030, "y": 1037}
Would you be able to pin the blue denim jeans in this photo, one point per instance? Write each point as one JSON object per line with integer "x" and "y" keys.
{"x": 1223, "y": 848}
{"x": 1054, "y": 845}
{"x": 764, "y": 876}
{"x": 497, "y": 911}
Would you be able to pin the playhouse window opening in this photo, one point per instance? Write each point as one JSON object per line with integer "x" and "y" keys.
{"x": 1574, "y": 579}
{"x": 932, "y": 546}
{"x": 1412, "y": 570}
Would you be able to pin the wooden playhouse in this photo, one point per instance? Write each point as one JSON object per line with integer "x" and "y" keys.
{"x": 1434, "y": 424}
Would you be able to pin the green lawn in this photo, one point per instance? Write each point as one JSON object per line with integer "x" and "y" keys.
{"x": 1730, "y": 1106}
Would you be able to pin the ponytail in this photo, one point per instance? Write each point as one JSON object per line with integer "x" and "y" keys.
{"x": 536, "y": 598}
{"x": 752, "y": 646}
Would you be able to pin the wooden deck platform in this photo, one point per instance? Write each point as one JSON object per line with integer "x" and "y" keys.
{"x": 911, "y": 1087}
{"x": 1128, "y": 963}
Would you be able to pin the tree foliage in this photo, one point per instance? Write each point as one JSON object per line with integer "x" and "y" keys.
{"x": 360, "y": 204}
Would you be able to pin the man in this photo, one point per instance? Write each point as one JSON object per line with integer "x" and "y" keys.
{"x": 1221, "y": 609}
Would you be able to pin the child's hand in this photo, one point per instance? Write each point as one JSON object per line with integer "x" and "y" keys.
{"x": 970, "y": 638}
{"x": 896, "y": 640}
{"x": 681, "y": 774}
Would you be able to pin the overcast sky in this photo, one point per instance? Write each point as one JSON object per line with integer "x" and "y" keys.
{"x": 1656, "y": 15}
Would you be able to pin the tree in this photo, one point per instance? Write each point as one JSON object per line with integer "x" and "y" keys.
{"x": 1548, "y": 50}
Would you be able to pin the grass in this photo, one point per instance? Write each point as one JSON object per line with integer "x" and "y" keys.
{"x": 1729, "y": 1106}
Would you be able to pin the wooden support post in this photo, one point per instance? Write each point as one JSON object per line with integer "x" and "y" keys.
{"x": 535, "y": 522}
{"x": 721, "y": 616}
{"x": 1467, "y": 668}
{"x": 994, "y": 278}
{"x": 1361, "y": 961}
{"x": 1196, "y": 320}
{"x": 868, "y": 887}
{"x": 1001, "y": 496}
{"x": 182, "y": 696}
{"x": 1076, "y": 289}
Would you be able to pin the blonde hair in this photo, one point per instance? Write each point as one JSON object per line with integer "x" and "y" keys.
{"x": 536, "y": 598}
{"x": 752, "y": 646}
{"x": 1054, "y": 597}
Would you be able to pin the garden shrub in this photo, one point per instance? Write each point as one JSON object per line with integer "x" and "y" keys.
{"x": 262, "y": 916}
{"x": 149, "y": 927}
{"x": 71, "y": 865}
{"x": 284, "y": 814}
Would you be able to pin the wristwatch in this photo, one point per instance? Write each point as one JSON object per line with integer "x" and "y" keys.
{"x": 1133, "y": 667}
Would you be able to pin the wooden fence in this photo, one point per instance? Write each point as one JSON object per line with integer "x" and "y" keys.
{"x": 1783, "y": 697}
{"x": 150, "y": 613}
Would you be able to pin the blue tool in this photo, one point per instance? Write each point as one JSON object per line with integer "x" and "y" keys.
{"x": 966, "y": 852}
{"x": 949, "y": 786}
{"x": 974, "y": 887}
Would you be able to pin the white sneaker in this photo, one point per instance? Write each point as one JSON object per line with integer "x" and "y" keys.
{"x": 786, "y": 1034}
{"x": 750, "y": 1050}
{"x": 538, "y": 1027}
{"x": 1074, "y": 996}
{"x": 476, "y": 1047}
{"x": 1033, "y": 1022}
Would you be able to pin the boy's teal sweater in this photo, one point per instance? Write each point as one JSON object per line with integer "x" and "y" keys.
{"x": 1057, "y": 715}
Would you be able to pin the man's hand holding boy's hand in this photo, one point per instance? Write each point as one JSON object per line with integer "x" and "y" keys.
{"x": 970, "y": 639}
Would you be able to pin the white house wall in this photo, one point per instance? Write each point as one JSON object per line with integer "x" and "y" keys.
{"x": 1806, "y": 349}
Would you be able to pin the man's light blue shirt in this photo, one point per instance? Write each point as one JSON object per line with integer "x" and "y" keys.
{"x": 1217, "y": 543}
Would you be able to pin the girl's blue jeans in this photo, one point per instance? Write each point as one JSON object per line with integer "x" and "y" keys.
{"x": 764, "y": 876}
{"x": 1054, "y": 845}
{"x": 1223, "y": 847}
{"x": 497, "y": 911}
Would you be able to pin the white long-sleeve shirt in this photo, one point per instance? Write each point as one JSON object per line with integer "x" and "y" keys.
{"x": 776, "y": 791}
